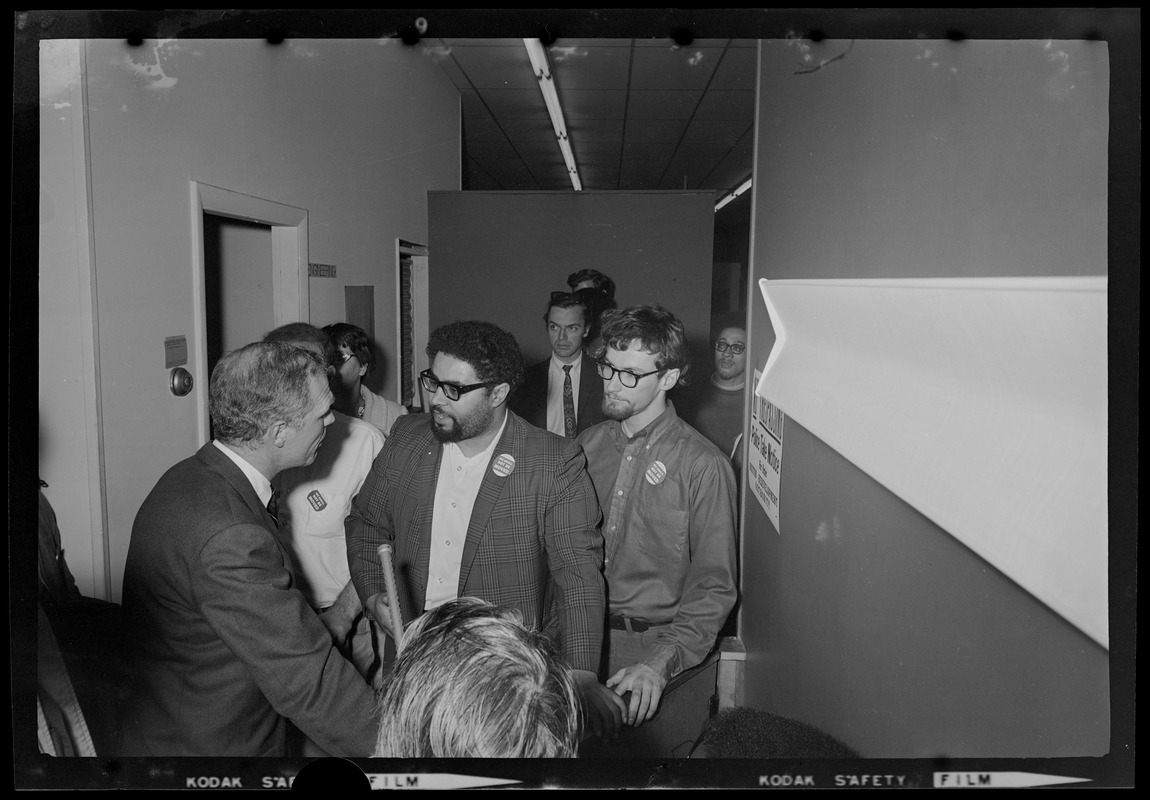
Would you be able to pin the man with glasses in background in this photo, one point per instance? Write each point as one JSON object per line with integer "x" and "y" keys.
{"x": 668, "y": 501}
{"x": 476, "y": 502}
{"x": 719, "y": 416}
{"x": 562, "y": 394}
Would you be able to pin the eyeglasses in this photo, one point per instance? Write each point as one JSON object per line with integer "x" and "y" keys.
{"x": 737, "y": 347}
{"x": 343, "y": 358}
{"x": 451, "y": 391}
{"x": 626, "y": 377}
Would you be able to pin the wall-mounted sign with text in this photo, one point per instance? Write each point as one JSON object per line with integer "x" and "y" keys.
{"x": 321, "y": 270}
{"x": 765, "y": 453}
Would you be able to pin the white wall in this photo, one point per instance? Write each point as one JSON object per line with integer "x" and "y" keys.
{"x": 354, "y": 131}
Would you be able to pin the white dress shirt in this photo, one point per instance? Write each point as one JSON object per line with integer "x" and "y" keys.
{"x": 455, "y": 493}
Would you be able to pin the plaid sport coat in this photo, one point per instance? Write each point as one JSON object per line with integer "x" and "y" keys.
{"x": 533, "y": 542}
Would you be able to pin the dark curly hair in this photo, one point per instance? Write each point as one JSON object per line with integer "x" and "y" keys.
{"x": 491, "y": 351}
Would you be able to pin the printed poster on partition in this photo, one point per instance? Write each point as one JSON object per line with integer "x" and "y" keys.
{"x": 765, "y": 453}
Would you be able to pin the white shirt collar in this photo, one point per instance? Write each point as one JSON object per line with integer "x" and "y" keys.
{"x": 558, "y": 365}
{"x": 261, "y": 484}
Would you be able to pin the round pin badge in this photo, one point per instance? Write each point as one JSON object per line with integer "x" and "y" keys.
{"x": 504, "y": 463}
{"x": 656, "y": 473}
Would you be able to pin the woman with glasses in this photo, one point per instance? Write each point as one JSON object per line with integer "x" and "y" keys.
{"x": 352, "y": 363}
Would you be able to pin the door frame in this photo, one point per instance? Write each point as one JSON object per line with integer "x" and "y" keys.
{"x": 290, "y": 296}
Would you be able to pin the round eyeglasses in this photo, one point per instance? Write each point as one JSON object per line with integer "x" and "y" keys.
{"x": 629, "y": 379}
{"x": 451, "y": 391}
{"x": 735, "y": 347}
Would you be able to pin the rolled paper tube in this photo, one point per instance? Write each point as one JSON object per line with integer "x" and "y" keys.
{"x": 384, "y": 551}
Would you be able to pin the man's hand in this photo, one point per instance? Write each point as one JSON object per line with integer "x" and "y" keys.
{"x": 340, "y": 618}
{"x": 602, "y": 709}
{"x": 646, "y": 687}
{"x": 380, "y": 611}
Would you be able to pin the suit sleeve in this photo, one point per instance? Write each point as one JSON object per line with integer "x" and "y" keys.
{"x": 369, "y": 525}
{"x": 575, "y": 557}
{"x": 245, "y": 592}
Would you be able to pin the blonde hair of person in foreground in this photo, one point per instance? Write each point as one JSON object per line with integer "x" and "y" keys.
{"x": 473, "y": 682}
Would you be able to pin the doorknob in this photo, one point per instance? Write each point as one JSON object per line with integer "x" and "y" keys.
{"x": 181, "y": 381}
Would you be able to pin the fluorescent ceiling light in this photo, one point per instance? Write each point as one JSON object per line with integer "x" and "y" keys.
{"x": 542, "y": 69}
{"x": 742, "y": 187}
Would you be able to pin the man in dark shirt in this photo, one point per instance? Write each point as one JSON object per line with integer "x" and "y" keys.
{"x": 720, "y": 413}
{"x": 668, "y": 501}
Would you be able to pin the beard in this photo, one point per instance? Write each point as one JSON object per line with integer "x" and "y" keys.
{"x": 458, "y": 429}
{"x": 617, "y": 409}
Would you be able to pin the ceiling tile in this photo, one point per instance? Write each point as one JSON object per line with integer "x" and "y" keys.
{"x": 662, "y": 104}
{"x": 516, "y": 103}
{"x": 655, "y": 130}
{"x": 686, "y": 171}
{"x": 538, "y": 151}
{"x": 733, "y": 106}
{"x": 595, "y": 130}
{"x": 530, "y": 130}
{"x": 591, "y": 103}
{"x": 489, "y": 151}
{"x": 496, "y": 67}
{"x": 483, "y": 132}
{"x": 718, "y": 133}
{"x": 472, "y": 105}
{"x": 594, "y": 153}
{"x": 589, "y": 67}
{"x": 685, "y": 69}
{"x": 478, "y": 179}
{"x": 650, "y": 151}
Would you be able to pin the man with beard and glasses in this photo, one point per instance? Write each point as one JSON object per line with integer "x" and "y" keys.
{"x": 476, "y": 502}
{"x": 668, "y": 501}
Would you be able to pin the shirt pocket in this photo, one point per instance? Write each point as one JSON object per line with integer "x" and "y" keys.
{"x": 663, "y": 534}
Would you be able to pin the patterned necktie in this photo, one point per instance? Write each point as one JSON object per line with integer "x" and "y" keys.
{"x": 274, "y": 507}
{"x": 568, "y": 404}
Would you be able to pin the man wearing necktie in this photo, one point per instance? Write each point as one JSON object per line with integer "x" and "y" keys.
{"x": 561, "y": 394}
{"x": 225, "y": 650}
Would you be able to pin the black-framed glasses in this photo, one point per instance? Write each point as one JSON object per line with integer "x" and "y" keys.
{"x": 342, "y": 358}
{"x": 451, "y": 391}
{"x": 626, "y": 377}
{"x": 735, "y": 347}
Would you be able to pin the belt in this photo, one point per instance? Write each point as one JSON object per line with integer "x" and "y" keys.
{"x": 618, "y": 622}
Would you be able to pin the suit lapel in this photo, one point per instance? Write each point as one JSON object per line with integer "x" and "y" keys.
{"x": 590, "y": 394}
{"x": 490, "y": 490}
{"x": 226, "y": 468}
{"x": 587, "y": 374}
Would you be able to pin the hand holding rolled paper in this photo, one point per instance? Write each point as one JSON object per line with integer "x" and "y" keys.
{"x": 395, "y": 618}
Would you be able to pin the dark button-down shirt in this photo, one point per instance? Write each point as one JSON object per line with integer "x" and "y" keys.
{"x": 668, "y": 500}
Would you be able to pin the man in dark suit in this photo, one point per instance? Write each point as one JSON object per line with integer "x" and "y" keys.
{"x": 225, "y": 648}
{"x": 476, "y": 502}
{"x": 563, "y": 393}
